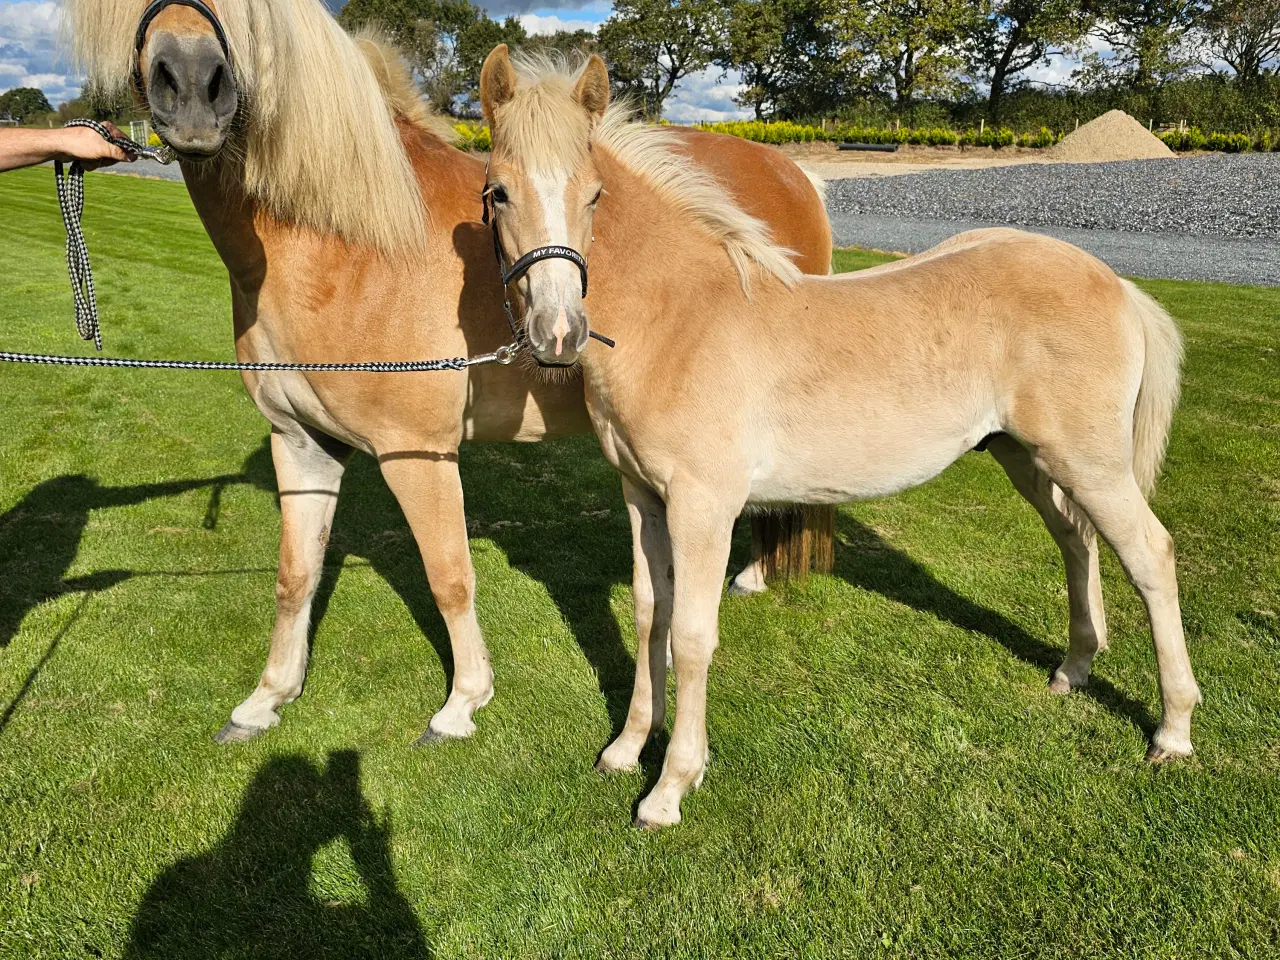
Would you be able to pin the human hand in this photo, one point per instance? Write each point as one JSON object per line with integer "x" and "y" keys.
{"x": 85, "y": 145}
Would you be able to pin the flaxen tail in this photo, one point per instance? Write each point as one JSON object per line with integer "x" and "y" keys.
{"x": 1161, "y": 384}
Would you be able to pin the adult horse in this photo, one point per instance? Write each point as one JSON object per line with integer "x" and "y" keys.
{"x": 826, "y": 389}
{"x": 349, "y": 226}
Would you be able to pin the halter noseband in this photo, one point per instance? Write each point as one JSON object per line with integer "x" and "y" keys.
{"x": 518, "y": 269}
{"x": 154, "y": 9}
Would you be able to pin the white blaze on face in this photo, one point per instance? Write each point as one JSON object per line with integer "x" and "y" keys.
{"x": 551, "y": 190}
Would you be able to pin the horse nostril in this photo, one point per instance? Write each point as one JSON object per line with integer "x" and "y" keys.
{"x": 166, "y": 78}
{"x": 215, "y": 84}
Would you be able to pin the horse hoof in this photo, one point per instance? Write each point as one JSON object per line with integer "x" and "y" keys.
{"x": 232, "y": 732}
{"x": 649, "y": 826}
{"x": 1158, "y": 755}
{"x": 431, "y": 736}
{"x": 737, "y": 589}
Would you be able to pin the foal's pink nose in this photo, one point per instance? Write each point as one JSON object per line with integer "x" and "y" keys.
{"x": 561, "y": 329}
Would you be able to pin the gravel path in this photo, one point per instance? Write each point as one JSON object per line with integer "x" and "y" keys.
{"x": 1170, "y": 256}
{"x": 1217, "y": 195}
{"x": 1214, "y": 217}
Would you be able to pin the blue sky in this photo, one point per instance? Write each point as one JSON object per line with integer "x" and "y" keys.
{"x": 30, "y": 55}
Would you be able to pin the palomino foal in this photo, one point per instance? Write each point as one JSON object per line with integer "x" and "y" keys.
{"x": 820, "y": 390}
{"x": 349, "y": 227}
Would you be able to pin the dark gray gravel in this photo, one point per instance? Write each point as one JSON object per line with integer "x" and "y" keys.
{"x": 1217, "y": 195}
{"x": 1215, "y": 217}
{"x": 1172, "y": 256}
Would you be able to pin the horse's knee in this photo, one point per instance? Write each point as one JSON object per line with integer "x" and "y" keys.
{"x": 293, "y": 590}
{"x": 454, "y": 591}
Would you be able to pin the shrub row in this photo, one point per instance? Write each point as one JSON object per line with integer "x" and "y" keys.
{"x": 787, "y": 132}
{"x": 474, "y": 136}
{"x": 1192, "y": 138}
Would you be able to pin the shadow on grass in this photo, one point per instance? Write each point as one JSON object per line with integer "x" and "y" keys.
{"x": 40, "y": 536}
{"x": 868, "y": 562}
{"x": 257, "y": 892}
{"x": 579, "y": 556}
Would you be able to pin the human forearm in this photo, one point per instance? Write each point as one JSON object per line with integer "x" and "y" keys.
{"x": 25, "y": 148}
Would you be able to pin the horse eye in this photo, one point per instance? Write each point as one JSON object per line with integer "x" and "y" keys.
{"x": 596, "y": 198}
{"x": 499, "y": 194}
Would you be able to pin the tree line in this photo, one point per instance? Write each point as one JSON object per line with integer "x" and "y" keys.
{"x": 1215, "y": 63}
{"x": 917, "y": 60}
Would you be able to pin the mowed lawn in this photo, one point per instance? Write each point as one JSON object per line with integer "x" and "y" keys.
{"x": 889, "y": 775}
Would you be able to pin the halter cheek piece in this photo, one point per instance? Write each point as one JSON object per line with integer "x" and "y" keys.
{"x": 154, "y": 9}
{"x": 521, "y": 267}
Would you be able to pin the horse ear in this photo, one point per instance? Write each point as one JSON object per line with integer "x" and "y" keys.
{"x": 592, "y": 91}
{"x": 497, "y": 81}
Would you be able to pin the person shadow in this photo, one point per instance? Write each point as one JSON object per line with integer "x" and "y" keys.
{"x": 304, "y": 871}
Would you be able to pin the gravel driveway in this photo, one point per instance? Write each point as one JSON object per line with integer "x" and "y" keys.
{"x": 1214, "y": 217}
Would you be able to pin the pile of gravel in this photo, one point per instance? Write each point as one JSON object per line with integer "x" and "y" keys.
{"x": 1113, "y": 136}
{"x": 1216, "y": 195}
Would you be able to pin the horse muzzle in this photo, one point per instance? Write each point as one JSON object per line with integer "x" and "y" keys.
{"x": 557, "y": 337}
{"x": 192, "y": 94}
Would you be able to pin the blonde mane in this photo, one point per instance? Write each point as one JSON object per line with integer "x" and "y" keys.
{"x": 542, "y": 122}
{"x": 318, "y": 134}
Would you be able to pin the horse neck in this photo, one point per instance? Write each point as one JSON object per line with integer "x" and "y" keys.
{"x": 247, "y": 237}
{"x": 659, "y": 283}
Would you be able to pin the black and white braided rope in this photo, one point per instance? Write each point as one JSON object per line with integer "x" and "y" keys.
{"x": 71, "y": 201}
{"x": 503, "y": 355}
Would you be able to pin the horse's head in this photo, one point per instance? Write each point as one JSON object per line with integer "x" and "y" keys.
{"x": 183, "y": 70}
{"x": 543, "y": 188}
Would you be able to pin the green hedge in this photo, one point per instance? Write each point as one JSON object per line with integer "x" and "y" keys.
{"x": 474, "y": 136}
{"x": 786, "y": 132}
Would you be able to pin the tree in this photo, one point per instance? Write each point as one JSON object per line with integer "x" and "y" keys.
{"x": 653, "y": 44}
{"x": 1245, "y": 34}
{"x": 21, "y": 103}
{"x": 444, "y": 41}
{"x": 787, "y": 54}
{"x": 1150, "y": 40}
{"x": 562, "y": 43}
{"x": 1012, "y": 35}
{"x": 913, "y": 46}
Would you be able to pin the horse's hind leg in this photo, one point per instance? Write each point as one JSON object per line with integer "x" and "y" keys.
{"x": 652, "y": 592}
{"x": 1120, "y": 512}
{"x": 1076, "y": 538}
{"x": 308, "y": 472}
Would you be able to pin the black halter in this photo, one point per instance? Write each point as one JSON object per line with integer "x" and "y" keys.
{"x": 518, "y": 269}
{"x": 154, "y": 9}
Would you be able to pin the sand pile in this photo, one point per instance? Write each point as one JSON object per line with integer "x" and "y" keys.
{"x": 1113, "y": 136}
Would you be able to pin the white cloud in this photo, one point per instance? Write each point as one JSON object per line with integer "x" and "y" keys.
{"x": 29, "y": 50}
{"x": 536, "y": 23}
{"x": 706, "y": 95}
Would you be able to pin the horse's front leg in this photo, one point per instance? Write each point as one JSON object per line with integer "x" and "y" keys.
{"x": 429, "y": 490}
{"x": 651, "y": 593}
{"x": 309, "y": 469}
{"x": 700, "y": 526}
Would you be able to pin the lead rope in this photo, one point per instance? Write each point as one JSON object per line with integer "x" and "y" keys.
{"x": 71, "y": 201}
{"x": 70, "y": 186}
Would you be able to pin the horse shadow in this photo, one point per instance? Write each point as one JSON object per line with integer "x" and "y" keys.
{"x": 257, "y": 893}
{"x": 40, "y": 537}
{"x": 866, "y": 560}
{"x": 573, "y": 538}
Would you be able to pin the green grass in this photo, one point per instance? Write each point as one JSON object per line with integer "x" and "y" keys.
{"x": 890, "y": 776}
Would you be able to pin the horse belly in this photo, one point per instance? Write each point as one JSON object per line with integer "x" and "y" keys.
{"x": 865, "y": 464}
